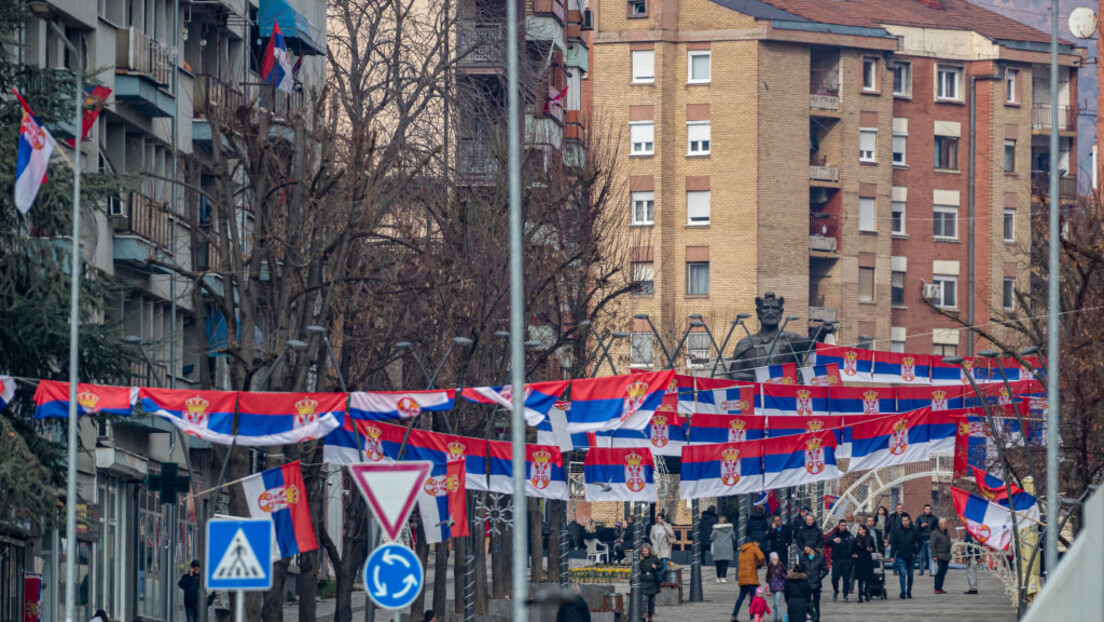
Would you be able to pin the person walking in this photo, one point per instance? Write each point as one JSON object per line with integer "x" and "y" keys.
{"x": 862, "y": 550}
{"x": 798, "y": 594}
{"x": 941, "y": 553}
{"x": 905, "y": 543}
{"x": 747, "y": 575}
{"x": 809, "y": 535}
{"x": 873, "y": 531}
{"x": 776, "y": 583}
{"x": 840, "y": 541}
{"x": 972, "y": 555}
{"x": 574, "y": 610}
{"x": 99, "y": 616}
{"x": 816, "y": 569}
{"x": 758, "y": 606}
{"x": 190, "y": 583}
{"x": 778, "y": 538}
{"x": 662, "y": 537}
{"x": 705, "y": 529}
{"x": 893, "y": 521}
{"x": 723, "y": 547}
{"x": 757, "y": 525}
{"x": 650, "y": 576}
{"x": 926, "y": 523}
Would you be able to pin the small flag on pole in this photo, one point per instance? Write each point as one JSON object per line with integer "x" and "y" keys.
{"x": 275, "y": 67}
{"x": 36, "y": 145}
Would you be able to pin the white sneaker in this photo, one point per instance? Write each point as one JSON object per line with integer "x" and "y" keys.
{"x": 724, "y": 580}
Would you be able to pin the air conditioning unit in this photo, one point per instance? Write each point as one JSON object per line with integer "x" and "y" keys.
{"x": 932, "y": 291}
{"x": 588, "y": 19}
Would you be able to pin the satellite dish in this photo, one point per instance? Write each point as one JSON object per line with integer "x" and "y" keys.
{"x": 1082, "y": 22}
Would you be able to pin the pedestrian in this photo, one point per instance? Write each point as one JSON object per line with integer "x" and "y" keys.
{"x": 816, "y": 570}
{"x": 862, "y": 550}
{"x": 650, "y": 576}
{"x": 809, "y": 535}
{"x": 723, "y": 547}
{"x": 876, "y": 534}
{"x": 708, "y": 518}
{"x": 747, "y": 575}
{"x": 926, "y": 523}
{"x": 941, "y": 553}
{"x": 99, "y": 616}
{"x": 662, "y": 537}
{"x": 758, "y": 606}
{"x": 757, "y": 525}
{"x": 429, "y": 616}
{"x": 797, "y": 594}
{"x": 905, "y": 543}
{"x": 840, "y": 540}
{"x": 776, "y": 583}
{"x": 799, "y": 520}
{"x": 574, "y": 610}
{"x": 778, "y": 538}
{"x": 973, "y": 553}
{"x": 190, "y": 584}
{"x": 852, "y": 524}
{"x": 893, "y": 521}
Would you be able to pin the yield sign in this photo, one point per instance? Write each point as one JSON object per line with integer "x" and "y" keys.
{"x": 391, "y": 490}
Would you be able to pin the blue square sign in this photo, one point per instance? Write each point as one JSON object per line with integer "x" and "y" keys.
{"x": 239, "y": 554}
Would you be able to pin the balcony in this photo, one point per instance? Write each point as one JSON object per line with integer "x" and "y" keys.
{"x": 213, "y": 96}
{"x": 143, "y": 231}
{"x": 824, "y": 235}
{"x": 825, "y": 314}
{"x": 1041, "y": 118}
{"x": 1040, "y": 185}
{"x": 270, "y": 99}
{"x": 481, "y": 46}
{"x": 475, "y": 160}
{"x": 824, "y": 176}
{"x": 574, "y": 127}
{"x": 554, "y": 8}
{"x": 825, "y": 98}
{"x": 136, "y": 53}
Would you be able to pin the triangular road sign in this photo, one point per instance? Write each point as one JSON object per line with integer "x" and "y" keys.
{"x": 391, "y": 490}
{"x": 239, "y": 561}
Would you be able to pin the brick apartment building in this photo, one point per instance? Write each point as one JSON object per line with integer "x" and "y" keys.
{"x": 821, "y": 150}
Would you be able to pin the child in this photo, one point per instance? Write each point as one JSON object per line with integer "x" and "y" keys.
{"x": 759, "y": 605}
{"x": 776, "y": 583}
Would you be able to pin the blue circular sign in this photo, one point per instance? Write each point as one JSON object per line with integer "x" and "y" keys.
{"x": 393, "y": 576}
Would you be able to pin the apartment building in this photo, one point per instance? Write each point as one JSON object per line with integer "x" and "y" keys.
{"x": 820, "y": 150}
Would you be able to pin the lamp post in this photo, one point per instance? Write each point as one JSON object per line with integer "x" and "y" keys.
{"x": 739, "y": 321}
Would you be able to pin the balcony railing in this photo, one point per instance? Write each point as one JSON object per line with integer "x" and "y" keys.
{"x": 146, "y": 218}
{"x": 824, "y": 173}
{"x": 267, "y": 97}
{"x": 824, "y": 233}
{"x": 481, "y": 46}
{"x": 1040, "y": 185}
{"x": 475, "y": 158}
{"x": 136, "y": 52}
{"x": 1041, "y": 117}
{"x": 215, "y": 96}
{"x": 826, "y": 314}
{"x": 548, "y": 7}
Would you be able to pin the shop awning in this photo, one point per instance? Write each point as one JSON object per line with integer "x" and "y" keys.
{"x": 302, "y": 37}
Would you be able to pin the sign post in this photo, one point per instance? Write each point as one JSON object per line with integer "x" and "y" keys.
{"x": 239, "y": 558}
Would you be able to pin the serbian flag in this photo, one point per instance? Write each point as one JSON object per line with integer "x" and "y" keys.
{"x": 276, "y": 68}
{"x": 552, "y": 429}
{"x": 721, "y": 470}
{"x": 799, "y": 459}
{"x": 32, "y": 597}
{"x": 379, "y": 442}
{"x": 442, "y": 503}
{"x": 855, "y": 364}
{"x": 665, "y": 434}
{"x": 792, "y": 424}
{"x": 52, "y": 399}
{"x": 703, "y": 395}
{"x": 898, "y": 439}
{"x": 738, "y": 400}
{"x": 285, "y": 418}
{"x": 791, "y": 400}
{"x": 992, "y": 487}
{"x": 769, "y": 501}
{"x": 901, "y": 368}
{"x": 393, "y": 405}
{"x": 619, "y": 474}
{"x": 32, "y": 157}
{"x": 845, "y": 433}
{"x": 208, "y": 415}
{"x": 616, "y": 401}
{"x": 862, "y": 400}
{"x": 948, "y": 397}
{"x": 279, "y": 494}
{"x": 445, "y": 448}
{"x": 989, "y": 523}
{"x": 708, "y": 428}
{"x": 94, "y": 99}
{"x": 7, "y": 391}
{"x": 822, "y": 375}
{"x": 539, "y": 397}
{"x": 545, "y": 477}
{"x": 777, "y": 374}
{"x": 946, "y": 374}
{"x": 974, "y": 444}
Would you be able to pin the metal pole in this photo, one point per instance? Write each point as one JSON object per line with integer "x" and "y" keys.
{"x": 520, "y": 581}
{"x": 696, "y": 593}
{"x": 638, "y": 539}
{"x": 970, "y": 242}
{"x": 239, "y": 607}
{"x": 1052, "y": 307}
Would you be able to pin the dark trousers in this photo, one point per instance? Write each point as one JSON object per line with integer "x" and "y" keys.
{"x": 903, "y": 566}
{"x": 814, "y": 602}
{"x": 746, "y": 591}
{"x": 940, "y": 572}
{"x": 841, "y": 569}
{"x": 191, "y": 614}
{"x": 722, "y": 568}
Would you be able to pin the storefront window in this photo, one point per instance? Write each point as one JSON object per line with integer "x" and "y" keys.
{"x": 150, "y": 551}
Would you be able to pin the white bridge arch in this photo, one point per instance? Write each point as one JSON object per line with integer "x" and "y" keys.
{"x": 864, "y": 492}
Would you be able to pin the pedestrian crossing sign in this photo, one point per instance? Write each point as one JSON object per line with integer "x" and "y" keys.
{"x": 239, "y": 554}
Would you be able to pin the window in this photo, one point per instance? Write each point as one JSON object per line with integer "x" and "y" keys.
{"x": 944, "y": 349}
{"x": 640, "y": 354}
{"x": 698, "y": 69}
{"x": 897, "y": 288}
{"x": 866, "y": 214}
{"x": 868, "y": 144}
{"x": 1010, "y": 86}
{"x": 1009, "y": 156}
{"x": 902, "y": 79}
{"x": 697, "y": 137}
{"x": 948, "y": 83}
{"x": 870, "y": 73}
{"x": 897, "y": 346}
{"x": 642, "y": 135}
{"x": 643, "y": 208}
{"x": 697, "y": 278}
{"x": 643, "y": 276}
{"x": 945, "y": 222}
{"x": 947, "y": 297}
{"x": 900, "y": 140}
{"x": 898, "y": 218}
{"x": 946, "y": 153}
{"x": 866, "y": 284}
{"x": 1009, "y": 225}
{"x": 698, "y": 349}
{"x": 1008, "y": 295}
{"x": 638, "y": 8}
{"x": 697, "y": 207}
{"x": 643, "y": 66}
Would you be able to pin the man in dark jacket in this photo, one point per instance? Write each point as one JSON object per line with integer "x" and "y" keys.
{"x": 941, "y": 553}
{"x": 817, "y": 570}
{"x": 879, "y": 541}
{"x": 574, "y": 610}
{"x": 840, "y": 539}
{"x": 779, "y": 538}
{"x": 926, "y": 523}
{"x": 190, "y": 584}
{"x": 893, "y": 522}
{"x": 809, "y": 535}
{"x": 906, "y": 544}
{"x": 705, "y": 530}
{"x": 757, "y": 526}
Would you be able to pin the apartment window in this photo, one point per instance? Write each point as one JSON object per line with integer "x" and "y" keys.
{"x": 867, "y": 208}
{"x": 643, "y": 66}
{"x": 900, "y": 141}
{"x": 1009, "y": 156}
{"x": 870, "y": 73}
{"x": 946, "y": 153}
{"x": 948, "y": 83}
{"x": 947, "y": 297}
{"x": 638, "y": 8}
{"x": 1008, "y": 295}
{"x": 898, "y": 218}
{"x": 902, "y": 79}
{"x": 868, "y": 144}
{"x": 642, "y": 135}
{"x": 897, "y": 346}
{"x": 643, "y": 208}
{"x": 1009, "y": 225}
{"x": 944, "y": 349}
{"x": 698, "y": 349}
{"x": 697, "y": 278}
{"x": 697, "y": 137}
{"x": 640, "y": 354}
{"x": 945, "y": 222}
{"x": 698, "y": 66}
{"x": 697, "y": 207}
{"x": 643, "y": 276}
{"x": 866, "y": 284}
{"x": 897, "y": 288}
{"x": 1011, "y": 86}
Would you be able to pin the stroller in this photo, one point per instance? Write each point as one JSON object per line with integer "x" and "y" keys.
{"x": 876, "y": 586}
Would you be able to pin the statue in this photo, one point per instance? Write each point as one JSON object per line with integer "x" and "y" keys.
{"x": 769, "y": 346}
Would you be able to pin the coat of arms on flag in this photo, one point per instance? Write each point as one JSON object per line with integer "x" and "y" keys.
{"x": 634, "y": 472}
{"x": 939, "y": 400}
{"x": 730, "y": 466}
{"x": 540, "y": 470}
{"x": 814, "y": 425}
{"x": 850, "y": 363}
{"x": 804, "y": 401}
{"x": 373, "y": 447}
{"x": 661, "y": 433}
{"x": 870, "y": 403}
{"x": 408, "y": 407}
{"x": 195, "y": 411}
{"x": 814, "y": 456}
{"x": 636, "y": 393}
{"x": 737, "y": 431}
{"x": 898, "y": 440}
{"x": 306, "y": 412}
{"x": 908, "y": 369}
{"x": 441, "y": 485}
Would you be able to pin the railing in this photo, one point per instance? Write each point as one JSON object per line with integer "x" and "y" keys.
{"x": 548, "y": 7}
{"x": 213, "y": 95}
{"x": 824, "y": 233}
{"x": 826, "y": 314}
{"x": 1041, "y": 117}
{"x": 552, "y": 107}
{"x": 136, "y": 52}
{"x": 574, "y": 129}
{"x": 148, "y": 219}
{"x": 475, "y": 158}
{"x": 481, "y": 46}
{"x": 142, "y": 373}
{"x": 824, "y": 173}
{"x": 1040, "y": 184}
{"x": 267, "y": 97}
{"x": 824, "y": 89}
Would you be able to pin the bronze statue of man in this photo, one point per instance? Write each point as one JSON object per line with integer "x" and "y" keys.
{"x": 769, "y": 346}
